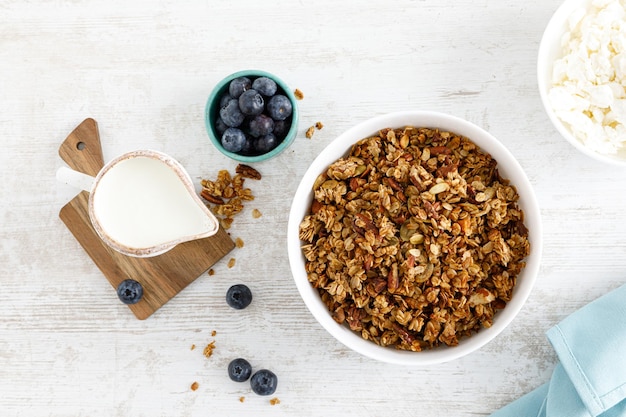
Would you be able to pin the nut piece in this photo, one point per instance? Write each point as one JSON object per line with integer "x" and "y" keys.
{"x": 309, "y": 132}
{"x": 298, "y": 94}
{"x": 439, "y": 188}
{"x": 247, "y": 171}
{"x": 413, "y": 239}
{"x": 215, "y": 199}
{"x": 208, "y": 350}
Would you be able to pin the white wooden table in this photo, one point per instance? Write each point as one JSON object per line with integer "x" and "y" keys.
{"x": 143, "y": 70}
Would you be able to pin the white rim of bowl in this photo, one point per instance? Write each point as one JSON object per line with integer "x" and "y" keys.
{"x": 467, "y": 345}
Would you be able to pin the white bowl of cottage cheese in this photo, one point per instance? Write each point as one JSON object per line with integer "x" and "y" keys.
{"x": 581, "y": 70}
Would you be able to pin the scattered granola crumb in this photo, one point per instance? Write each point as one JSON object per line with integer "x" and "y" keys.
{"x": 213, "y": 333}
{"x": 274, "y": 401}
{"x": 309, "y": 132}
{"x": 231, "y": 262}
{"x": 239, "y": 242}
{"x": 256, "y": 213}
{"x": 208, "y": 350}
{"x": 242, "y": 399}
{"x": 319, "y": 125}
{"x": 299, "y": 94}
{"x": 211, "y": 272}
{"x": 193, "y": 347}
{"x": 227, "y": 222}
{"x": 194, "y": 386}
{"x": 226, "y": 195}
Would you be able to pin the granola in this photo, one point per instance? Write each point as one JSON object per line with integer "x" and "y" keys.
{"x": 226, "y": 194}
{"x": 208, "y": 350}
{"x": 311, "y": 130}
{"x": 414, "y": 240}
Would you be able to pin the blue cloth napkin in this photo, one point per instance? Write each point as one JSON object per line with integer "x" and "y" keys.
{"x": 590, "y": 378}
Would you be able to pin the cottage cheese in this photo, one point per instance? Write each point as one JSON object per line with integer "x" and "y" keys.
{"x": 588, "y": 83}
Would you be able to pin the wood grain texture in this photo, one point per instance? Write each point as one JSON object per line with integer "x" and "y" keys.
{"x": 144, "y": 70}
{"x": 82, "y": 150}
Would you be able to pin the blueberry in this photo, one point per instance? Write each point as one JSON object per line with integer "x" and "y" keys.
{"x": 233, "y": 139}
{"x": 265, "y": 143}
{"x": 239, "y": 370}
{"x": 231, "y": 115}
{"x": 129, "y": 291}
{"x": 239, "y": 296}
{"x": 264, "y": 382}
{"x": 261, "y": 125}
{"x": 281, "y": 127}
{"x": 225, "y": 99}
{"x": 238, "y": 86}
{"x": 248, "y": 147}
{"x": 279, "y": 107}
{"x": 251, "y": 103}
{"x": 265, "y": 86}
{"x": 220, "y": 126}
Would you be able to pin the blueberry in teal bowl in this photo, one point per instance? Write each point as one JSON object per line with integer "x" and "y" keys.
{"x": 251, "y": 116}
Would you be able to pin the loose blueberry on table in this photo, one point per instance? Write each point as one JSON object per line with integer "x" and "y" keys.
{"x": 239, "y": 296}
{"x": 258, "y": 110}
{"x": 264, "y": 382}
{"x": 239, "y": 370}
{"x": 130, "y": 291}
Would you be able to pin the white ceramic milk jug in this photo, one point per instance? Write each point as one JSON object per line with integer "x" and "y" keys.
{"x": 143, "y": 203}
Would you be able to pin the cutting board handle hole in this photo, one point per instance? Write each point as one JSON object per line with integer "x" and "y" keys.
{"x": 81, "y": 145}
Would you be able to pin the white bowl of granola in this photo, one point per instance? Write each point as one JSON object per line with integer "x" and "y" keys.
{"x": 581, "y": 73}
{"x": 418, "y": 246}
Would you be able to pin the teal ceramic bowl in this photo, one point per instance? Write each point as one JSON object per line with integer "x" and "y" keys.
{"x": 212, "y": 108}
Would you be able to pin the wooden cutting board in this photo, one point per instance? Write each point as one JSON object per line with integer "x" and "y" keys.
{"x": 163, "y": 276}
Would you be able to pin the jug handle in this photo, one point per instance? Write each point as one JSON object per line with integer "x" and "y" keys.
{"x": 82, "y": 150}
{"x": 75, "y": 179}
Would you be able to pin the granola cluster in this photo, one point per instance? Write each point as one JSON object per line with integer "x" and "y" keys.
{"x": 414, "y": 240}
{"x": 227, "y": 194}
